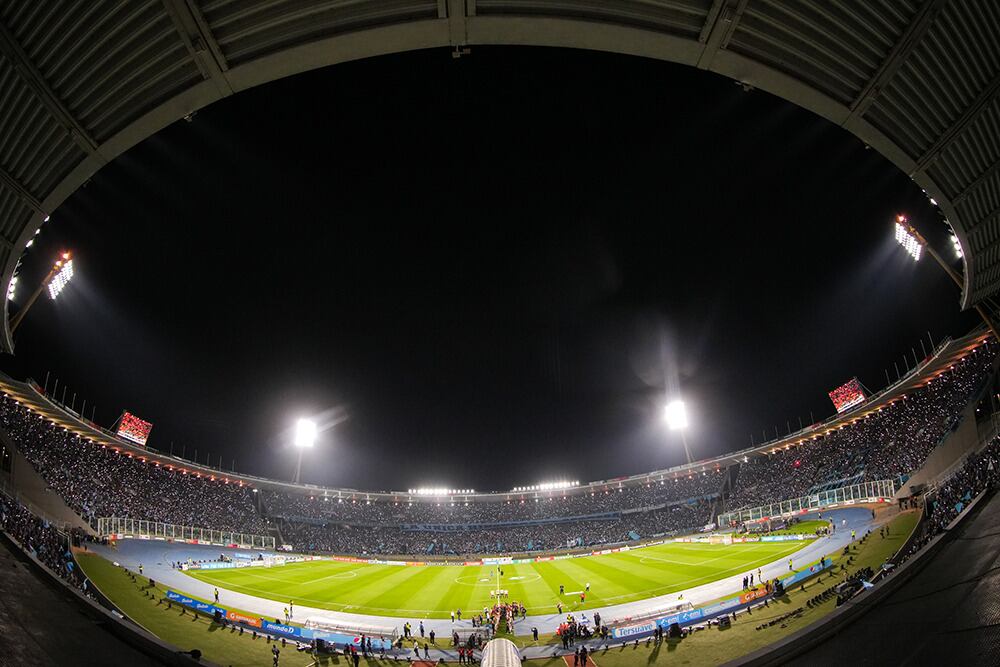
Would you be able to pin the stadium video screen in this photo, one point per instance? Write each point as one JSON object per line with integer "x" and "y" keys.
{"x": 134, "y": 429}
{"x": 848, "y": 395}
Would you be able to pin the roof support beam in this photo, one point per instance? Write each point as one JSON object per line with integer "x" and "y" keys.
{"x": 914, "y": 32}
{"x": 974, "y": 185}
{"x": 457, "y": 11}
{"x": 28, "y": 73}
{"x": 200, "y": 43}
{"x": 21, "y": 191}
{"x": 720, "y": 24}
{"x": 983, "y": 100}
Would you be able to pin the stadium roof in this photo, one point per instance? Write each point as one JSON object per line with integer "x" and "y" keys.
{"x": 32, "y": 396}
{"x": 918, "y": 81}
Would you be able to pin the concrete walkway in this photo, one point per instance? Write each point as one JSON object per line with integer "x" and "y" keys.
{"x": 156, "y": 558}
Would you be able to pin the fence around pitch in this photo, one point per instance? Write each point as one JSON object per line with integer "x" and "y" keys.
{"x": 121, "y": 527}
{"x": 855, "y": 493}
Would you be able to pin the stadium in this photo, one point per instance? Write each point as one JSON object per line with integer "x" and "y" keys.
{"x": 811, "y": 544}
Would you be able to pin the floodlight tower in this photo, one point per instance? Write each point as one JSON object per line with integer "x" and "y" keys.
{"x": 675, "y": 414}
{"x": 57, "y": 279}
{"x": 915, "y": 244}
{"x": 305, "y": 437}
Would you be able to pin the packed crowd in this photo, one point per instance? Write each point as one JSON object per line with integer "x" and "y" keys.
{"x": 979, "y": 472}
{"x": 39, "y": 539}
{"x": 885, "y": 445}
{"x": 100, "y": 482}
{"x": 510, "y": 507}
{"x": 391, "y": 540}
{"x": 501, "y": 617}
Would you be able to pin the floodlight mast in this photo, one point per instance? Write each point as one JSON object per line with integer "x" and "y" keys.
{"x": 902, "y": 223}
{"x": 65, "y": 258}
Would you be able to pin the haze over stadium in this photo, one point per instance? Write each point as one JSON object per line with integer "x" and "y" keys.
{"x": 403, "y": 331}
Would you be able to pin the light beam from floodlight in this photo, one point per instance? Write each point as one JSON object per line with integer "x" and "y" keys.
{"x": 305, "y": 437}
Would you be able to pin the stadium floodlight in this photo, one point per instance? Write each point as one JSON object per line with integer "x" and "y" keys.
{"x": 675, "y": 414}
{"x": 61, "y": 279}
{"x": 305, "y": 433}
{"x": 305, "y": 438}
{"x": 958, "y": 247}
{"x": 56, "y": 280}
{"x": 908, "y": 237}
{"x": 915, "y": 244}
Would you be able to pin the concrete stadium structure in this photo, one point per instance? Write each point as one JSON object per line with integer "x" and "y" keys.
{"x": 80, "y": 83}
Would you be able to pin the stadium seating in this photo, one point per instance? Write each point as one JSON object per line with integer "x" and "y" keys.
{"x": 344, "y": 538}
{"x": 885, "y": 445}
{"x": 97, "y": 481}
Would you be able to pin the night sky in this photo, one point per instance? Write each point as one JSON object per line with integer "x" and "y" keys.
{"x": 483, "y": 272}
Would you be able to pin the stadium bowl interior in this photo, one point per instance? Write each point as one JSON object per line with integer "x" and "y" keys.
{"x": 770, "y": 545}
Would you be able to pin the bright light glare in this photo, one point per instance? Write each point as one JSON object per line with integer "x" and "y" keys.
{"x": 957, "y": 245}
{"x": 906, "y": 239}
{"x": 548, "y": 486}
{"x": 305, "y": 433}
{"x": 436, "y": 491}
{"x": 675, "y": 415}
{"x": 61, "y": 279}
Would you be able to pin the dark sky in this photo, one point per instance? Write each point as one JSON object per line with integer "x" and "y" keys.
{"x": 486, "y": 270}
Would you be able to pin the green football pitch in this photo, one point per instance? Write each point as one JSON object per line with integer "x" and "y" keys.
{"x": 434, "y": 591}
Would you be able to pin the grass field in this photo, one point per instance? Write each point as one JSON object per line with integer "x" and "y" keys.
{"x": 435, "y": 591}
{"x": 710, "y": 647}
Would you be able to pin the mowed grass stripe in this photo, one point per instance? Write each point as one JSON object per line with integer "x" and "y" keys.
{"x": 425, "y": 591}
{"x": 578, "y": 574}
{"x": 434, "y": 591}
{"x": 393, "y": 594}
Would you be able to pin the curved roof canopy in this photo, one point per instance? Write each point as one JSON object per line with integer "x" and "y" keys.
{"x": 81, "y": 82}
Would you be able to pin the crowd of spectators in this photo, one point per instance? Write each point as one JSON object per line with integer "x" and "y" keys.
{"x": 97, "y": 481}
{"x": 611, "y": 497}
{"x": 393, "y": 540}
{"x": 38, "y": 538}
{"x": 887, "y": 444}
{"x": 979, "y": 472}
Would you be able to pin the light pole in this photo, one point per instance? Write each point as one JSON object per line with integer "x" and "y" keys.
{"x": 675, "y": 414}
{"x": 55, "y": 281}
{"x": 915, "y": 244}
{"x": 305, "y": 436}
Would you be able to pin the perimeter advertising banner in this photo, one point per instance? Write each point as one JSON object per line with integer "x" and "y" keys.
{"x": 633, "y": 630}
{"x": 197, "y": 605}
